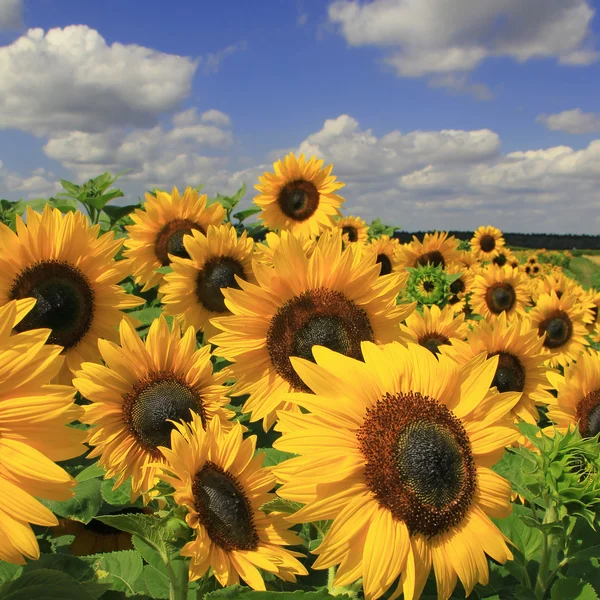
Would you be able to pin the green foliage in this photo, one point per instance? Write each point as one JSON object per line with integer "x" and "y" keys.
{"x": 429, "y": 285}
{"x": 377, "y": 229}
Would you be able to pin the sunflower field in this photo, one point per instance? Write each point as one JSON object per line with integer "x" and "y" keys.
{"x": 194, "y": 407}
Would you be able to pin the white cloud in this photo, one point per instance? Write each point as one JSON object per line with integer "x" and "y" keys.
{"x": 211, "y": 63}
{"x": 70, "y": 79}
{"x": 572, "y": 121}
{"x": 11, "y": 14}
{"x": 460, "y": 84}
{"x": 37, "y": 184}
{"x": 433, "y": 37}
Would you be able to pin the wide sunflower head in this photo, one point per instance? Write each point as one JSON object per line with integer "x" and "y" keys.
{"x": 218, "y": 478}
{"x": 193, "y": 292}
{"x": 141, "y": 391}
{"x": 159, "y": 229}
{"x": 563, "y": 321}
{"x": 335, "y": 298}
{"x": 387, "y": 253}
{"x": 299, "y": 196}
{"x": 498, "y": 290}
{"x": 577, "y": 403}
{"x": 61, "y": 262}
{"x": 487, "y": 242}
{"x": 35, "y": 415}
{"x": 436, "y": 249}
{"x": 435, "y": 327}
{"x": 354, "y": 230}
{"x": 521, "y": 360}
{"x": 397, "y": 451}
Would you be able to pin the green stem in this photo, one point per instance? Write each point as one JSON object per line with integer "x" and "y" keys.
{"x": 548, "y": 550}
{"x": 178, "y": 583}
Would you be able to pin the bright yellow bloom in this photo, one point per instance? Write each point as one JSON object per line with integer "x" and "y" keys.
{"x": 498, "y": 290}
{"x": 487, "y": 242}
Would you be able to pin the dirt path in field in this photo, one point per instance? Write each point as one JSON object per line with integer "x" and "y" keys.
{"x": 594, "y": 258}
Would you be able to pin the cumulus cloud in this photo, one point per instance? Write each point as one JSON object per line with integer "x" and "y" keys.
{"x": 10, "y": 14}
{"x": 39, "y": 183}
{"x": 433, "y": 37}
{"x": 71, "y": 80}
{"x": 572, "y": 121}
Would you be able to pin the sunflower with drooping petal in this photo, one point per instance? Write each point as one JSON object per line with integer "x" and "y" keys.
{"x": 159, "y": 229}
{"x": 498, "y": 290}
{"x": 578, "y": 396}
{"x": 300, "y": 196}
{"x": 219, "y": 480}
{"x": 193, "y": 292}
{"x": 61, "y": 262}
{"x": 263, "y": 251}
{"x": 334, "y": 298}
{"x": 435, "y": 327}
{"x": 142, "y": 390}
{"x": 397, "y": 451}
{"x": 563, "y": 320}
{"x": 521, "y": 360}
{"x": 460, "y": 288}
{"x": 354, "y": 230}
{"x": 387, "y": 254}
{"x": 34, "y": 414}
{"x": 486, "y": 243}
{"x": 436, "y": 249}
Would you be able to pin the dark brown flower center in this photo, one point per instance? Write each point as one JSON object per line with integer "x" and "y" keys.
{"x": 169, "y": 239}
{"x": 217, "y": 273}
{"x": 298, "y": 199}
{"x": 316, "y": 317}
{"x": 64, "y": 301}
{"x": 535, "y": 270}
{"x": 500, "y": 297}
{"x": 156, "y": 401}
{"x": 432, "y": 341}
{"x": 351, "y": 232}
{"x": 428, "y": 285}
{"x": 419, "y": 463}
{"x": 510, "y": 373}
{"x": 588, "y": 414}
{"x": 223, "y": 509}
{"x": 457, "y": 287}
{"x": 434, "y": 258}
{"x": 487, "y": 242}
{"x": 386, "y": 264}
{"x": 500, "y": 260}
{"x": 558, "y": 328}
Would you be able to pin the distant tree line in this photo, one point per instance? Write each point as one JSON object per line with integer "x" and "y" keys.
{"x": 550, "y": 241}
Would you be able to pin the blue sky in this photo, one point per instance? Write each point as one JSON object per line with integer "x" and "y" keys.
{"x": 436, "y": 113}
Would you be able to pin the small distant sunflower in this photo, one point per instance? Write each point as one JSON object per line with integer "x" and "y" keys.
{"x": 263, "y": 251}
{"x": 486, "y": 243}
{"x": 520, "y": 360}
{"x": 558, "y": 283}
{"x": 159, "y": 230}
{"x": 300, "y": 196}
{"x": 468, "y": 259}
{"x": 427, "y": 285}
{"x": 498, "y": 290}
{"x": 435, "y": 327}
{"x": 35, "y": 433}
{"x": 532, "y": 269}
{"x": 578, "y": 401}
{"x": 143, "y": 388}
{"x": 505, "y": 257}
{"x": 354, "y": 230}
{"x": 61, "y": 262}
{"x": 460, "y": 288}
{"x": 194, "y": 290}
{"x": 219, "y": 480}
{"x": 386, "y": 251}
{"x": 397, "y": 451}
{"x": 436, "y": 249}
{"x": 563, "y": 321}
{"x": 334, "y": 298}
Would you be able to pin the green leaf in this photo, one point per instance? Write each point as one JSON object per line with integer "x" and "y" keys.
{"x": 274, "y": 457}
{"x": 8, "y": 571}
{"x": 71, "y": 187}
{"x": 44, "y": 584}
{"x": 237, "y": 592}
{"x": 572, "y": 589}
{"x": 119, "y": 569}
{"x": 83, "y": 506}
{"x": 528, "y": 540}
{"x": 91, "y": 472}
{"x": 155, "y": 579}
{"x": 239, "y": 195}
{"x": 98, "y": 202}
{"x": 119, "y": 496}
{"x": 281, "y": 505}
{"x": 244, "y": 214}
{"x": 146, "y": 315}
{"x": 115, "y": 213}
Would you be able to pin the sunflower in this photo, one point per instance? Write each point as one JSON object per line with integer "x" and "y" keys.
{"x": 436, "y": 249}
{"x": 300, "y": 196}
{"x": 486, "y": 243}
{"x": 563, "y": 321}
{"x": 435, "y": 327}
{"x": 34, "y": 416}
{"x": 468, "y": 260}
{"x": 354, "y": 230}
{"x": 219, "y": 480}
{"x": 143, "y": 388}
{"x": 591, "y": 299}
{"x": 427, "y": 285}
{"x": 387, "y": 253}
{"x": 61, "y": 262}
{"x": 498, "y": 290}
{"x": 558, "y": 283}
{"x": 263, "y": 252}
{"x": 578, "y": 396}
{"x": 397, "y": 450}
{"x": 159, "y": 229}
{"x": 334, "y": 298}
{"x": 460, "y": 288}
{"x": 194, "y": 290}
{"x": 520, "y": 360}
{"x": 505, "y": 257}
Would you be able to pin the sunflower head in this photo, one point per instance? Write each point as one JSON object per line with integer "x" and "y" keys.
{"x": 354, "y": 230}
{"x": 460, "y": 287}
{"x": 428, "y": 285}
{"x": 498, "y": 290}
{"x": 487, "y": 242}
{"x": 387, "y": 253}
{"x": 299, "y": 196}
{"x": 437, "y": 249}
{"x": 264, "y": 251}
